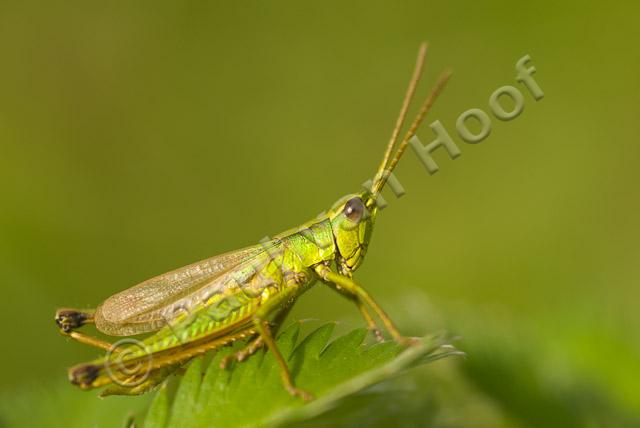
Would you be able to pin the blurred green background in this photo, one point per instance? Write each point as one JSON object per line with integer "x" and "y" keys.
{"x": 136, "y": 137}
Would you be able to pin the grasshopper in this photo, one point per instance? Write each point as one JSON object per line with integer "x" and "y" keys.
{"x": 244, "y": 294}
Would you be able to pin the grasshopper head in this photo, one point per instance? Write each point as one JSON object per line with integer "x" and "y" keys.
{"x": 353, "y": 216}
{"x": 352, "y": 220}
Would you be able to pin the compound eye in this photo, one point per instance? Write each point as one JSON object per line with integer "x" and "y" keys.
{"x": 354, "y": 209}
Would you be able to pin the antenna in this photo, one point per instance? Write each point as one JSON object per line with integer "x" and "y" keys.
{"x": 413, "y": 83}
{"x": 387, "y": 165}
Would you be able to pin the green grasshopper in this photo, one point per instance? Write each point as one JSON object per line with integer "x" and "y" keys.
{"x": 243, "y": 294}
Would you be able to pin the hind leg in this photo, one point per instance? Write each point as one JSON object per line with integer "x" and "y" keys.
{"x": 68, "y": 320}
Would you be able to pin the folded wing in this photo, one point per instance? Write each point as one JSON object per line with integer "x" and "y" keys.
{"x": 149, "y": 305}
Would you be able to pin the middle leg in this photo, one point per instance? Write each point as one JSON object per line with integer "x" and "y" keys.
{"x": 261, "y": 323}
{"x": 256, "y": 343}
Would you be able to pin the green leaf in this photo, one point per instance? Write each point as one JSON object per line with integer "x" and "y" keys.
{"x": 158, "y": 411}
{"x": 187, "y": 395}
{"x": 250, "y": 393}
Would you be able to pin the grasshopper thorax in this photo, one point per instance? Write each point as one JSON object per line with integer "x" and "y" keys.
{"x": 352, "y": 219}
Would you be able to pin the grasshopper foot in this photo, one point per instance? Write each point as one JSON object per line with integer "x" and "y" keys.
{"x": 377, "y": 334}
{"x": 297, "y": 392}
{"x": 408, "y": 341}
